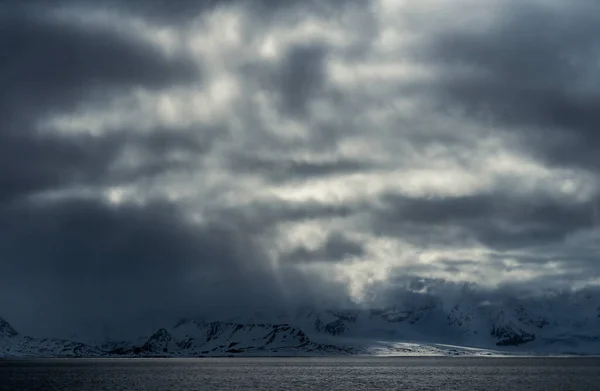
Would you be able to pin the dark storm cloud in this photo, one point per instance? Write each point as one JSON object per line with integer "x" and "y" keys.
{"x": 32, "y": 163}
{"x": 533, "y": 70}
{"x": 496, "y": 220}
{"x": 154, "y": 10}
{"x": 87, "y": 259}
{"x": 50, "y": 64}
{"x": 74, "y": 260}
{"x": 29, "y": 163}
{"x": 337, "y": 247}
{"x": 182, "y": 11}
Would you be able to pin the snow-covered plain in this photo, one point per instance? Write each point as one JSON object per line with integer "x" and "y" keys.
{"x": 420, "y": 324}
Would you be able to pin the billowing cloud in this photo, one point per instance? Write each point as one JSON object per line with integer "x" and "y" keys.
{"x": 195, "y": 155}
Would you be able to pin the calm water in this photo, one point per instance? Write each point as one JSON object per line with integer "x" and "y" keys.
{"x": 303, "y": 374}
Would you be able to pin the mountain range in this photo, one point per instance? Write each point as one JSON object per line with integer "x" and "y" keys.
{"x": 418, "y": 324}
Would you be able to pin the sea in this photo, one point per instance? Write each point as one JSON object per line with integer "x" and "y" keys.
{"x": 332, "y": 373}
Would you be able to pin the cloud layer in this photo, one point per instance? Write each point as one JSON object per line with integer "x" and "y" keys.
{"x": 192, "y": 155}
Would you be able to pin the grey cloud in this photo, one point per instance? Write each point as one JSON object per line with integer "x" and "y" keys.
{"x": 533, "y": 74}
{"x": 284, "y": 169}
{"x": 264, "y": 216}
{"x": 426, "y": 289}
{"x": 31, "y": 163}
{"x": 531, "y": 233}
{"x": 299, "y": 76}
{"x": 182, "y": 11}
{"x": 497, "y": 220}
{"x": 337, "y": 247}
{"x": 161, "y": 151}
{"x": 302, "y": 76}
{"x": 455, "y": 265}
{"x": 533, "y": 71}
{"x": 403, "y": 287}
{"x": 266, "y": 10}
{"x": 54, "y": 65}
{"x": 155, "y": 11}
{"x": 86, "y": 260}
{"x": 77, "y": 260}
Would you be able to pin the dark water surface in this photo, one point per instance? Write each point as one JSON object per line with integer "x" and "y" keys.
{"x": 302, "y": 374}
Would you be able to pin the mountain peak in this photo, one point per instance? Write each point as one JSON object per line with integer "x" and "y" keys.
{"x": 6, "y": 330}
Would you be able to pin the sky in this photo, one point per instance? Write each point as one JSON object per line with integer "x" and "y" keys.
{"x": 189, "y": 156}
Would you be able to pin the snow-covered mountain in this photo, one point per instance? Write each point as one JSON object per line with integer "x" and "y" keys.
{"x": 419, "y": 323}
{"x": 197, "y": 338}
{"x": 553, "y": 323}
{"x": 14, "y": 344}
{"x": 188, "y": 338}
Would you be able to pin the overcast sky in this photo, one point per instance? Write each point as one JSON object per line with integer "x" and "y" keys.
{"x": 187, "y": 155}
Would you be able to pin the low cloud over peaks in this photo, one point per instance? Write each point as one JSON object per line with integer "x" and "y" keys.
{"x": 194, "y": 155}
